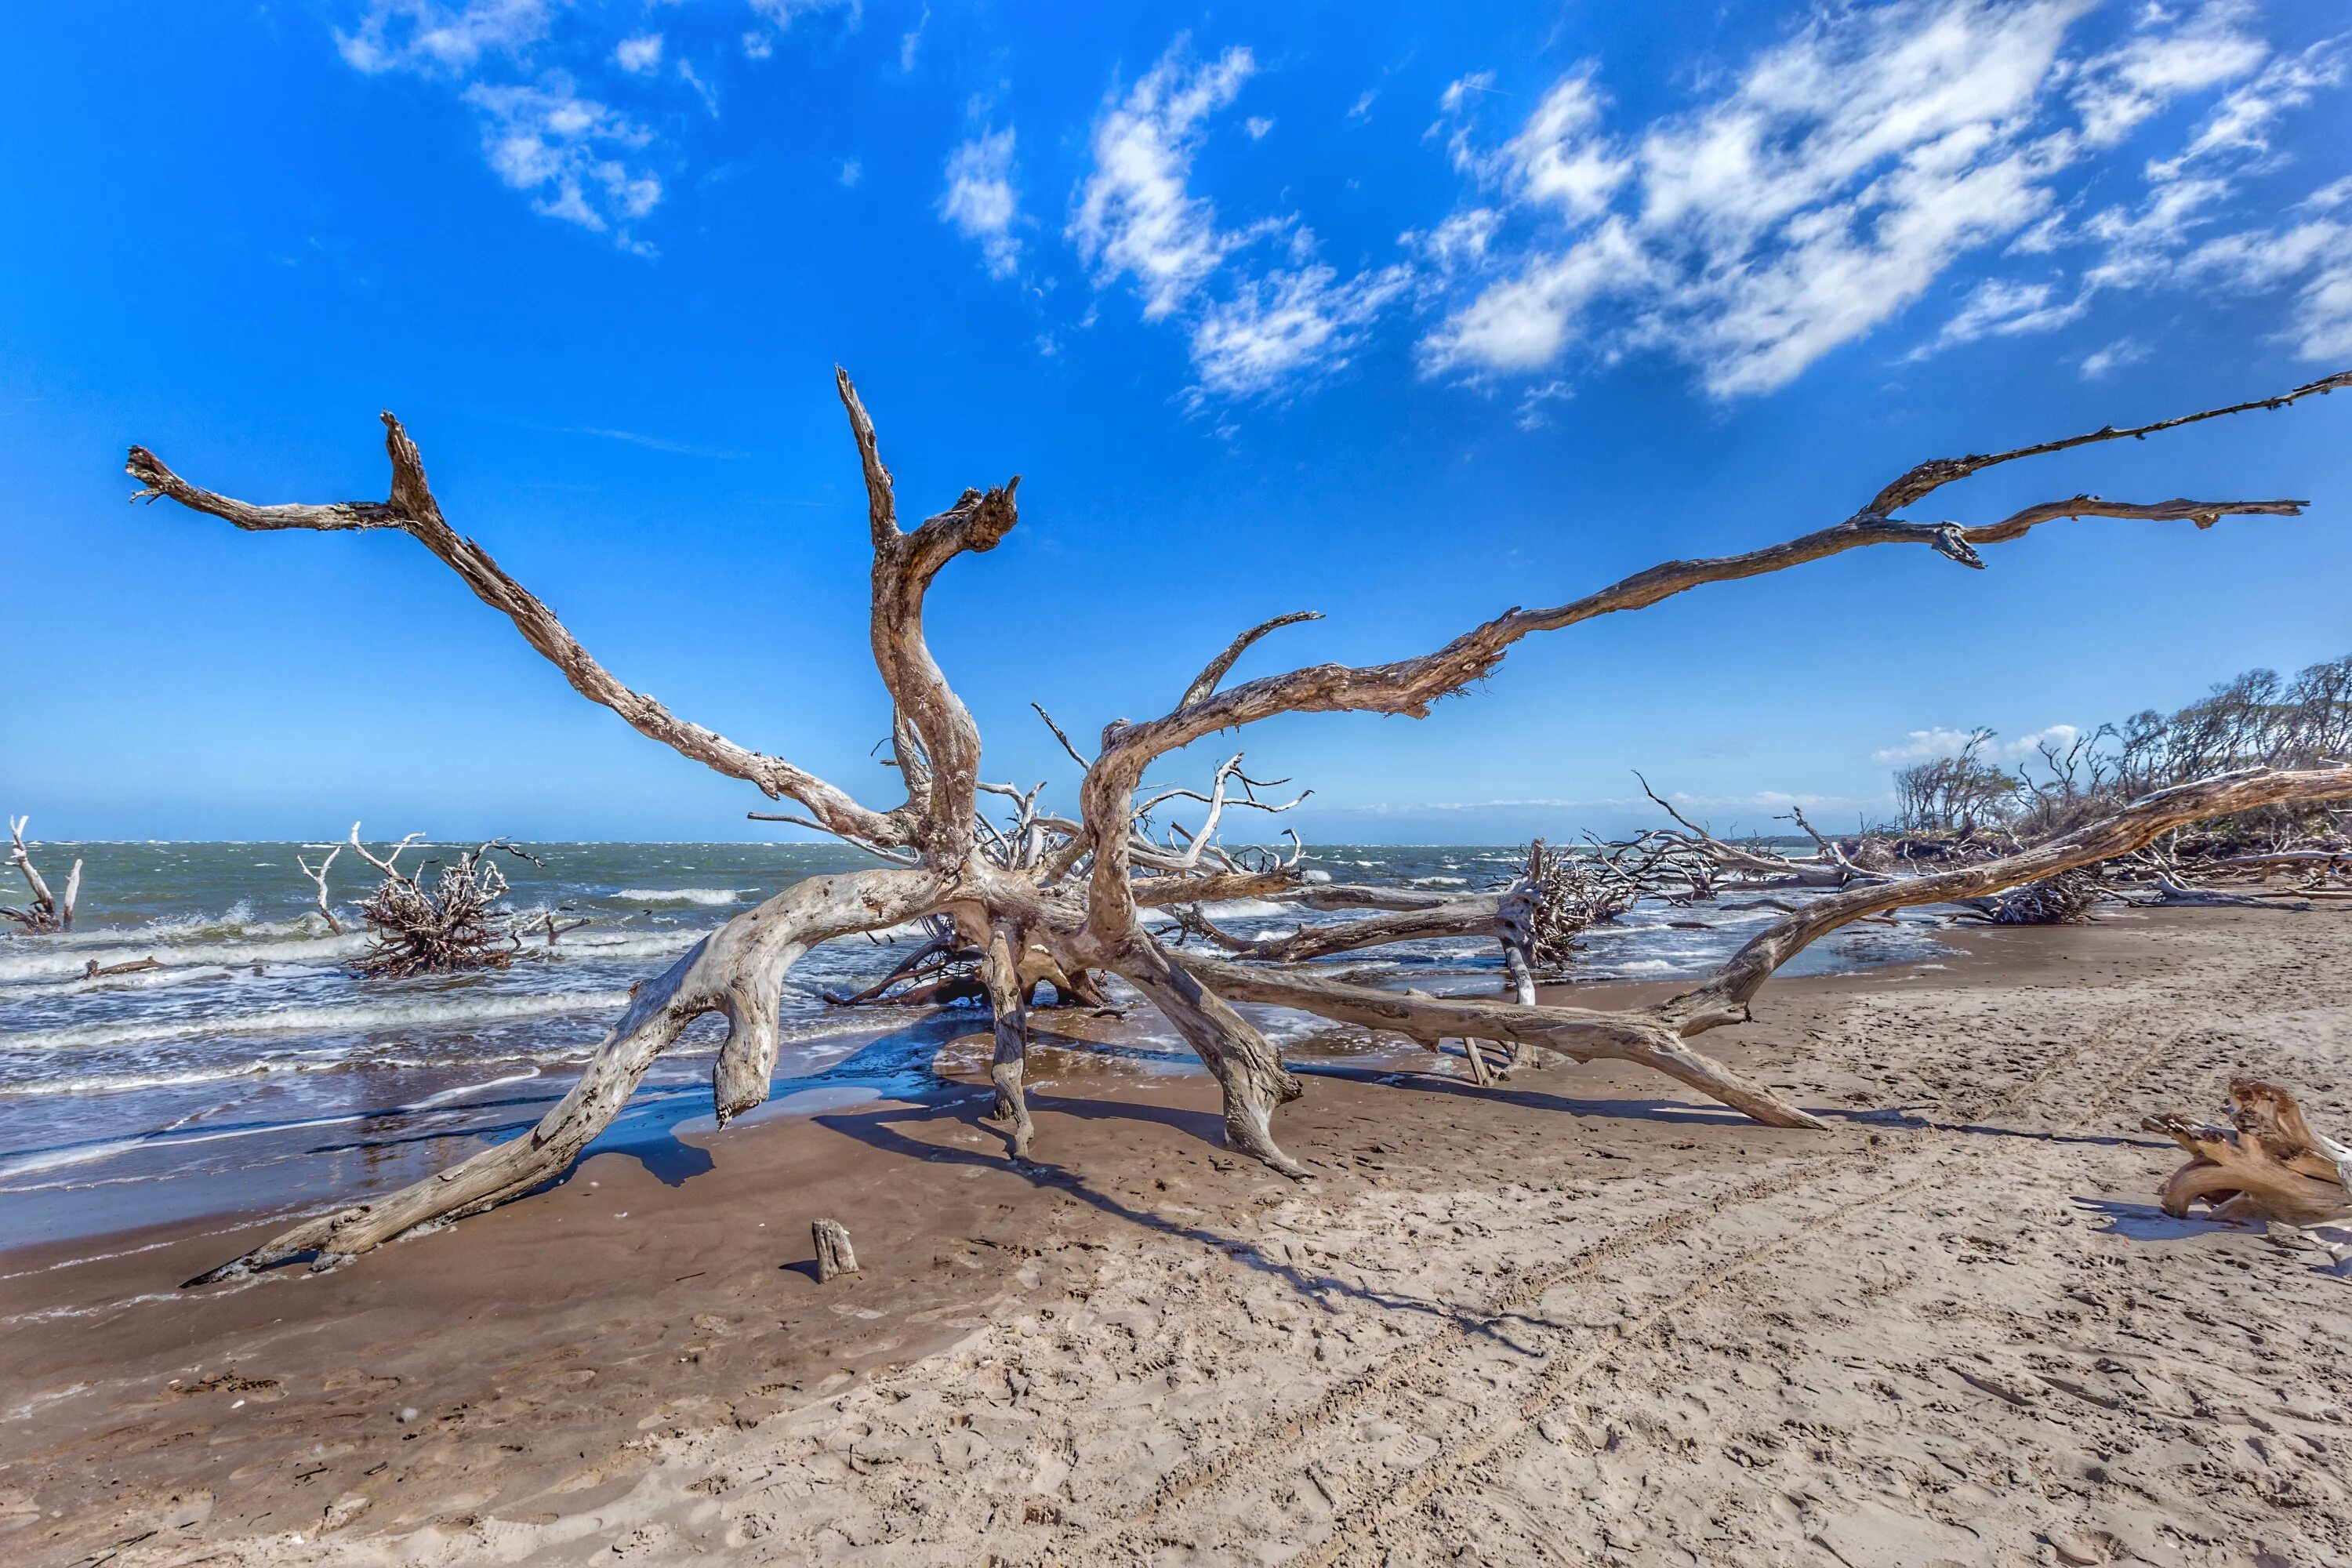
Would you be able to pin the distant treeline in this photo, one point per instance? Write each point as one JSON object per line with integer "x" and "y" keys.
{"x": 2259, "y": 718}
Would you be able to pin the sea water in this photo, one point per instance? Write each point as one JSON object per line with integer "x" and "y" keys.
{"x": 254, "y": 1068}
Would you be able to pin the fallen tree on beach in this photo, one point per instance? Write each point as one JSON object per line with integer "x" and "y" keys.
{"x": 1074, "y": 889}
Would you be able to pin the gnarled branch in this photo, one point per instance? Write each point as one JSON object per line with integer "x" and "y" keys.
{"x": 412, "y": 509}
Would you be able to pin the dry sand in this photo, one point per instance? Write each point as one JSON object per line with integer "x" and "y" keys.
{"x": 1576, "y": 1319}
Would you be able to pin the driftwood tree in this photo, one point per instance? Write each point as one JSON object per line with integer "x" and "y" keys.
{"x": 46, "y": 913}
{"x": 1075, "y": 888}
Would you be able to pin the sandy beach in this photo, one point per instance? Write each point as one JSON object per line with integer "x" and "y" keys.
{"x": 1572, "y": 1319}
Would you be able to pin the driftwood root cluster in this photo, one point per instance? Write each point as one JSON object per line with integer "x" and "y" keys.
{"x": 2268, "y": 1164}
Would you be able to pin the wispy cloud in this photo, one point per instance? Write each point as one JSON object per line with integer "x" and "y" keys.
{"x": 1833, "y": 180}
{"x": 640, "y": 56}
{"x": 2099, "y": 361}
{"x": 980, "y": 201}
{"x": 1928, "y": 745}
{"x": 1136, "y": 216}
{"x": 1253, "y": 328}
{"x": 568, "y": 152}
{"x": 431, "y": 35}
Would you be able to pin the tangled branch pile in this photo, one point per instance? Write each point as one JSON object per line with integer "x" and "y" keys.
{"x": 455, "y": 925}
{"x": 2064, "y": 899}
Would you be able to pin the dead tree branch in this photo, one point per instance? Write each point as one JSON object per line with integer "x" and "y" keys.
{"x": 1007, "y": 885}
{"x": 47, "y": 914}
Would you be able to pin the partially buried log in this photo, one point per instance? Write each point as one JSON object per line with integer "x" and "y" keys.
{"x": 2268, "y": 1165}
{"x": 833, "y": 1255}
{"x": 1075, "y": 887}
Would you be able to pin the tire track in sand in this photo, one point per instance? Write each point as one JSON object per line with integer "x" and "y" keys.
{"x": 1263, "y": 1455}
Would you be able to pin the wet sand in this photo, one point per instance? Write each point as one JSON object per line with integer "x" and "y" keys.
{"x": 1581, "y": 1318}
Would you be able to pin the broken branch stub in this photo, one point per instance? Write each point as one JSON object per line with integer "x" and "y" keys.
{"x": 833, "y": 1255}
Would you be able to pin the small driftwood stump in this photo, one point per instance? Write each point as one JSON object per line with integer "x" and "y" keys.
{"x": 2270, "y": 1167}
{"x": 833, "y": 1254}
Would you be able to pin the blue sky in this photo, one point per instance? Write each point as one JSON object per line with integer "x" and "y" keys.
{"x": 1339, "y": 308}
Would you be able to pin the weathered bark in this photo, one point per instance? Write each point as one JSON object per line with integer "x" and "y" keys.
{"x": 46, "y": 913}
{"x": 1073, "y": 888}
{"x": 1249, "y": 1073}
{"x": 1009, "y": 1003}
{"x": 2268, "y": 1165}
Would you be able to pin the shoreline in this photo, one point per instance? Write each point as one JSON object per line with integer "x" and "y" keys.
{"x": 579, "y": 1364}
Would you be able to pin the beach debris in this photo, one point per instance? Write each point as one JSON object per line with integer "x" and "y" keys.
{"x": 833, "y": 1255}
{"x": 94, "y": 970}
{"x": 1079, "y": 887}
{"x": 318, "y": 875}
{"x": 47, "y": 914}
{"x": 2066, "y": 899}
{"x": 2268, "y": 1165}
{"x": 453, "y": 925}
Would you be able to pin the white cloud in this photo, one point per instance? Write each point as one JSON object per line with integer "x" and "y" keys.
{"x": 1459, "y": 244}
{"x": 785, "y": 13}
{"x": 1822, "y": 193}
{"x": 2000, "y": 308}
{"x": 912, "y": 40}
{"x": 1832, "y": 180}
{"x": 1927, "y": 745}
{"x": 1257, "y": 125}
{"x": 2243, "y": 120}
{"x": 1137, "y": 218}
{"x": 848, "y": 171}
{"x": 436, "y": 35}
{"x": 2123, "y": 351}
{"x": 1557, "y": 158}
{"x": 2317, "y": 256}
{"x": 1531, "y": 415}
{"x": 568, "y": 152}
{"x": 1276, "y": 325}
{"x": 980, "y": 201}
{"x": 2117, "y": 91}
{"x": 1363, "y": 104}
{"x": 641, "y": 55}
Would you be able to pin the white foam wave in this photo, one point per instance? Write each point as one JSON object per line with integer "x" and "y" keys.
{"x": 1248, "y": 909}
{"x": 53, "y": 962}
{"x": 680, "y": 895}
{"x": 408, "y": 1013}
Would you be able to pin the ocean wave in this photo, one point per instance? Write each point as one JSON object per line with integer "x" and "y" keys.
{"x": 61, "y": 961}
{"x": 403, "y": 1013}
{"x": 678, "y": 895}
